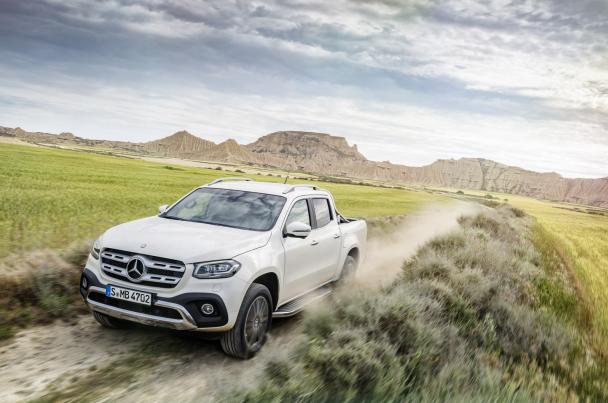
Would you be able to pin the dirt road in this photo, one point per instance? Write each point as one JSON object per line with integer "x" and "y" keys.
{"x": 83, "y": 361}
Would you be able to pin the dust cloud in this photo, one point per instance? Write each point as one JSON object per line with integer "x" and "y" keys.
{"x": 386, "y": 254}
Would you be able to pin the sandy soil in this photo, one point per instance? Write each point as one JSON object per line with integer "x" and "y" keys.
{"x": 46, "y": 354}
{"x": 61, "y": 357}
{"x": 49, "y": 358}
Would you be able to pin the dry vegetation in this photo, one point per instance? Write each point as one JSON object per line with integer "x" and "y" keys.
{"x": 475, "y": 316}
{"x": 576, "y": 238}
{"x": 40, "y": 286}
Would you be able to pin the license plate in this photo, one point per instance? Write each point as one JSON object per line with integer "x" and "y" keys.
{"x": 139, "y": 297}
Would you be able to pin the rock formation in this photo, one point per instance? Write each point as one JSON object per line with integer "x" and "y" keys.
{"x": 329, "y": 155}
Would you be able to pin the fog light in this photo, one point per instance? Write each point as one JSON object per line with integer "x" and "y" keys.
{"x": 207, "y": 309}
{"x": 85, "y": 283}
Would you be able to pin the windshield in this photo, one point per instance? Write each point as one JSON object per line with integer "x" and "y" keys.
{"x": 231, "y": 208}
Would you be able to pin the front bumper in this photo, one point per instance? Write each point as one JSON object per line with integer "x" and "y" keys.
{"x": 180, "y": 312}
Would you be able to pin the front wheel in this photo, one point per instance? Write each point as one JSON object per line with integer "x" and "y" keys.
{"x": 248, "y": 335}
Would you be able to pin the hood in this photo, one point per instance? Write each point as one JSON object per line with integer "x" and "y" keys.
{"x": 189, "y": 242}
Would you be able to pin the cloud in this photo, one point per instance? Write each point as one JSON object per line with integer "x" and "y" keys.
{"x": 521, "y": 81}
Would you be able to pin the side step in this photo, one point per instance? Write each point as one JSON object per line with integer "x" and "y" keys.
{"x": 297, "y": 305}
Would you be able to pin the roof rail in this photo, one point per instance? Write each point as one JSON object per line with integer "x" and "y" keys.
{"x": 294, "y": 187}
{"x": 230, "y": 179}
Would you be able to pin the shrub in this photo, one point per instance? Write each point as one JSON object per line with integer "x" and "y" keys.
{"x": 351, "y": 364}
{"x": 172, "y": 168}
{"x": 76, "y": 254}
{"x": 6, "y": 332}
{"x": 464, "y": 322}
{"x": 52, "y": 286}
{"x": 39, "y": 286}
{"x": 490, "y": 203}
{"x": 482, "y": 221}
{"x": 517, "y": 212}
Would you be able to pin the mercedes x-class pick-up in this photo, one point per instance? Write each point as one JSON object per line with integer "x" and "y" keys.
{"x": 225, "y": 259}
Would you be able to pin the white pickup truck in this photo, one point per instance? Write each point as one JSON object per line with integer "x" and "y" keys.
{"x": 226, "y": 258}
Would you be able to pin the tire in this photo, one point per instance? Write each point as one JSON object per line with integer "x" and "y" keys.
{"x": 248, "y": 335}
{"x": 108, "y": 321}
{"x": 348, "y": 270}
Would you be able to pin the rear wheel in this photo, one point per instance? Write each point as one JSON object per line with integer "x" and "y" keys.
{"x": 248, "y": 335}
{"x": 348, "y": 270}
{"x": 108, "y": 321}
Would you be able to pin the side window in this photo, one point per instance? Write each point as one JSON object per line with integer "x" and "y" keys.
{"x": 299, "y": 212}
{"x": 322, "y": 213}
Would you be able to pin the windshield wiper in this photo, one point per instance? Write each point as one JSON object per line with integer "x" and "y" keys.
{"x": 173, "y": 218}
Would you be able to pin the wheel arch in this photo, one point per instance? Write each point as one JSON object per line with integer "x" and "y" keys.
{"x": 271, "y": 281}
{"x": 355, "y": 253}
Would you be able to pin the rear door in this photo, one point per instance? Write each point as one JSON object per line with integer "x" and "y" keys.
{"x": 325, "y": 239}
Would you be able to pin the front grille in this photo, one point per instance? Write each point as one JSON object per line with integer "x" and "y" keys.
{"x": 160, "y": 272}
{"x": 135, "y": 307}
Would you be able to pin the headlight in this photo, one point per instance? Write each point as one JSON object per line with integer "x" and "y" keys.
{"x": 96, "y": 248}
{"x": 216, "y": 269}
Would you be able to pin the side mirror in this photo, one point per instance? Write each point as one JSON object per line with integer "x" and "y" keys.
{"x": 297, "y": 229}
{"x": 163, "y": 208}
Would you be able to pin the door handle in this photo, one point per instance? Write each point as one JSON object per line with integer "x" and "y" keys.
{"x": 336, "y": 236}
{"x": 313, "y": 243}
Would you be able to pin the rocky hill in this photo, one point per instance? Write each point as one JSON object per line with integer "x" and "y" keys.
{"x": 69, "y": 139}
{"x": 306, "y": 150}
{"x": 331, "y": 155}
{"x": 232, "y": 152}
{"x": 491, "y": 176}
{"x": 182, "y": 144}
{"x": 320, "y": 153}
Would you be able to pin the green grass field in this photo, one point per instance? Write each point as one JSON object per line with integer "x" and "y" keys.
{"x": 52, "y": 197}
{"x": 580, "y": 236}
{"x": 582, "y": 240}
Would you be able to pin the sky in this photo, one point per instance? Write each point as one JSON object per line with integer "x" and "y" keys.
{"x": 521, "y": 82}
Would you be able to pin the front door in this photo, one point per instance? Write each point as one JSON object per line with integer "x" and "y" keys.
{"x": 300, "y": 256}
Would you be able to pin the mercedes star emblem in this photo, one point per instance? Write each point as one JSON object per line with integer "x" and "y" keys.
{"x": 136, "y": 268}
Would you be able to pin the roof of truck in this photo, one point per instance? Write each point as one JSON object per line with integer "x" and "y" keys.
{"x": 266, "y": 187}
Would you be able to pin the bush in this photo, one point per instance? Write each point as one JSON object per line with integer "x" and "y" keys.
{"x": 40, "y": 286}
{"x": 517, "y": 212}
{"x": 6, "y": 332}
{"x": 172, "y": 168}
{"x": 76, "y": 254}
{"x": 463, "y": 322}
{"x": 490, "y": 203}
{"x": 51, "y": 286}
